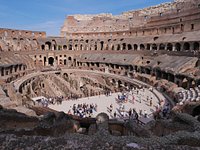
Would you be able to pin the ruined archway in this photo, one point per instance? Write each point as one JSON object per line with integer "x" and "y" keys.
{"x": 178, "y": 46}
{"x": 186, "y": 46}
{"x": 169, "y": 47}
{"x": 196, "y": 46}
{"x": 51, "y": 61}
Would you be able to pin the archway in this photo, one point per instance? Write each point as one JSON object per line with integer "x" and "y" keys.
{"x": 154, "y": 47}
{"x": 169, "y": 47}
{"x": 186, "y": 46}
{"x": 162, "y": 46}
{"x": 135, "y": 47}
{"x": 142, "y": 47}
{"x": 129, "y": 46}
{"x": 178, "y": 46}
{"x": 196, "y": 46}
{"x": 51, "y": 61}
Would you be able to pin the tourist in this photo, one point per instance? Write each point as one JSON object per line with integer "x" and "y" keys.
{"x": 136, "y": 117}
{"x": 145, "y": 113}
{"x": 115, "y": 114}
{"x": 150, "y": 102}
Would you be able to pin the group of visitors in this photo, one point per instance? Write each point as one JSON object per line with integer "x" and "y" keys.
{"x": 83, "y": 110}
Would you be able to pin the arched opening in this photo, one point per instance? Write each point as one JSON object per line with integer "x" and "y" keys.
{"x": 64, "y": 47}
{"x": 81, "y": 47}
{"x": 169, "y": 47}
{"x": 154, "y": 47}
{"x": 65, "y": 62}
{"x": 186, "y": 46}
{"x": 70, "y": 46}
{"x": 124, "y": 46}
{"x": 178, "y": 46}
{"x": 129, "y": 46}
{"x": 113, "y": 48}
{"x": 162, "y": 46}
{"x": 101, "y": 45}
{"x": 51, "y": 61}
{"x": 43, "y": 47}
{"x": 0, "y": 48}
{"x": 95, "y": 47}
{"x": 54, "y": 45}
{"x": 148, "y": 46}
{"x": 196, "y": 46}
{"x": 48, "y": 45}
{"x": 196, "y": 111}
{"x": 118, "y": 47}
{"x": 142, "y": 47}
{"x": 135, "y": 46}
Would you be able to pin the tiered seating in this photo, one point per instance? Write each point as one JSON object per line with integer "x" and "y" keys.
{"x": 191, "y": 95}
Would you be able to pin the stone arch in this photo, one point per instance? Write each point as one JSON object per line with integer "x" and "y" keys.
{"x": 81, "y": 47}
{"x": 154, "y": 46}
{"x": 69, "y": 58}
{"x": 43, "y": 47}
{"x": 178, "y": 46}
{"x": 135, "y": 46}
{"x": 119, "y": 83}
{"x": 148, "y": 46}
{"x": 169, "y": 46}
{"x": 70, "y": 46}
{"x": 142, "y": 47}
{"x": 123, "y": 46}
{"x": 102, "y": 43}
{"x": 186, "y": 46}
{"x": 161, "y": 46}
{"x": 196, "y": 46}
{"x": 113, "y": 47}
{"x": 54, "y": 44}
{"x": 65, "y": 62}
{"x": 51, "y": 61}
{"x": 48, "y": 45}
{"x": 65, "y": 47}
{"x": 129, "y": 46}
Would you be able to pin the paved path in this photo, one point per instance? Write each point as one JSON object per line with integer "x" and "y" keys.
{"x": 103, "y": 102}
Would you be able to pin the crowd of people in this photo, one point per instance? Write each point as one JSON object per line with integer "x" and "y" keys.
{"x": 83, "y": 110}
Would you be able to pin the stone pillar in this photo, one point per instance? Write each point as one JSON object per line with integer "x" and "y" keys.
{"x": 173, "y": 47}
{"x": 150, "y": 47}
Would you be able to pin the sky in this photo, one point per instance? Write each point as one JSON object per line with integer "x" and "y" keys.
{"x": 49, "y": 15}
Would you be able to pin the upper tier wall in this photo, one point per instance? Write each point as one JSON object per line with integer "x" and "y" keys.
{"x": 21, "y": 33}
{"x": 168, "y": 14}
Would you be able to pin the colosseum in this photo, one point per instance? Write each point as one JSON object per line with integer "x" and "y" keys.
{"x": 128, "y": 81}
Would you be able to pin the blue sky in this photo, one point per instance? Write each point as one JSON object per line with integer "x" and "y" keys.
{"x": 49, "y": 15}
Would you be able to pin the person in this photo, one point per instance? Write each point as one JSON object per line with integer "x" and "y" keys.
{"x": 150, "y": 102}
{"x": 136, "y": 117}
{"x": 69, "y": 112}
{"x": 115, "y": 114}
{"x": 133, "y": 98}
{"x": 145, "y": 113}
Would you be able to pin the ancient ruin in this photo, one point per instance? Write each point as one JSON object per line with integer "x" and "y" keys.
{"x": 155, "y": 50}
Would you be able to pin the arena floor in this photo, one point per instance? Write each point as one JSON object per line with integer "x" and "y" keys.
{"x": 103, "y": 104}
